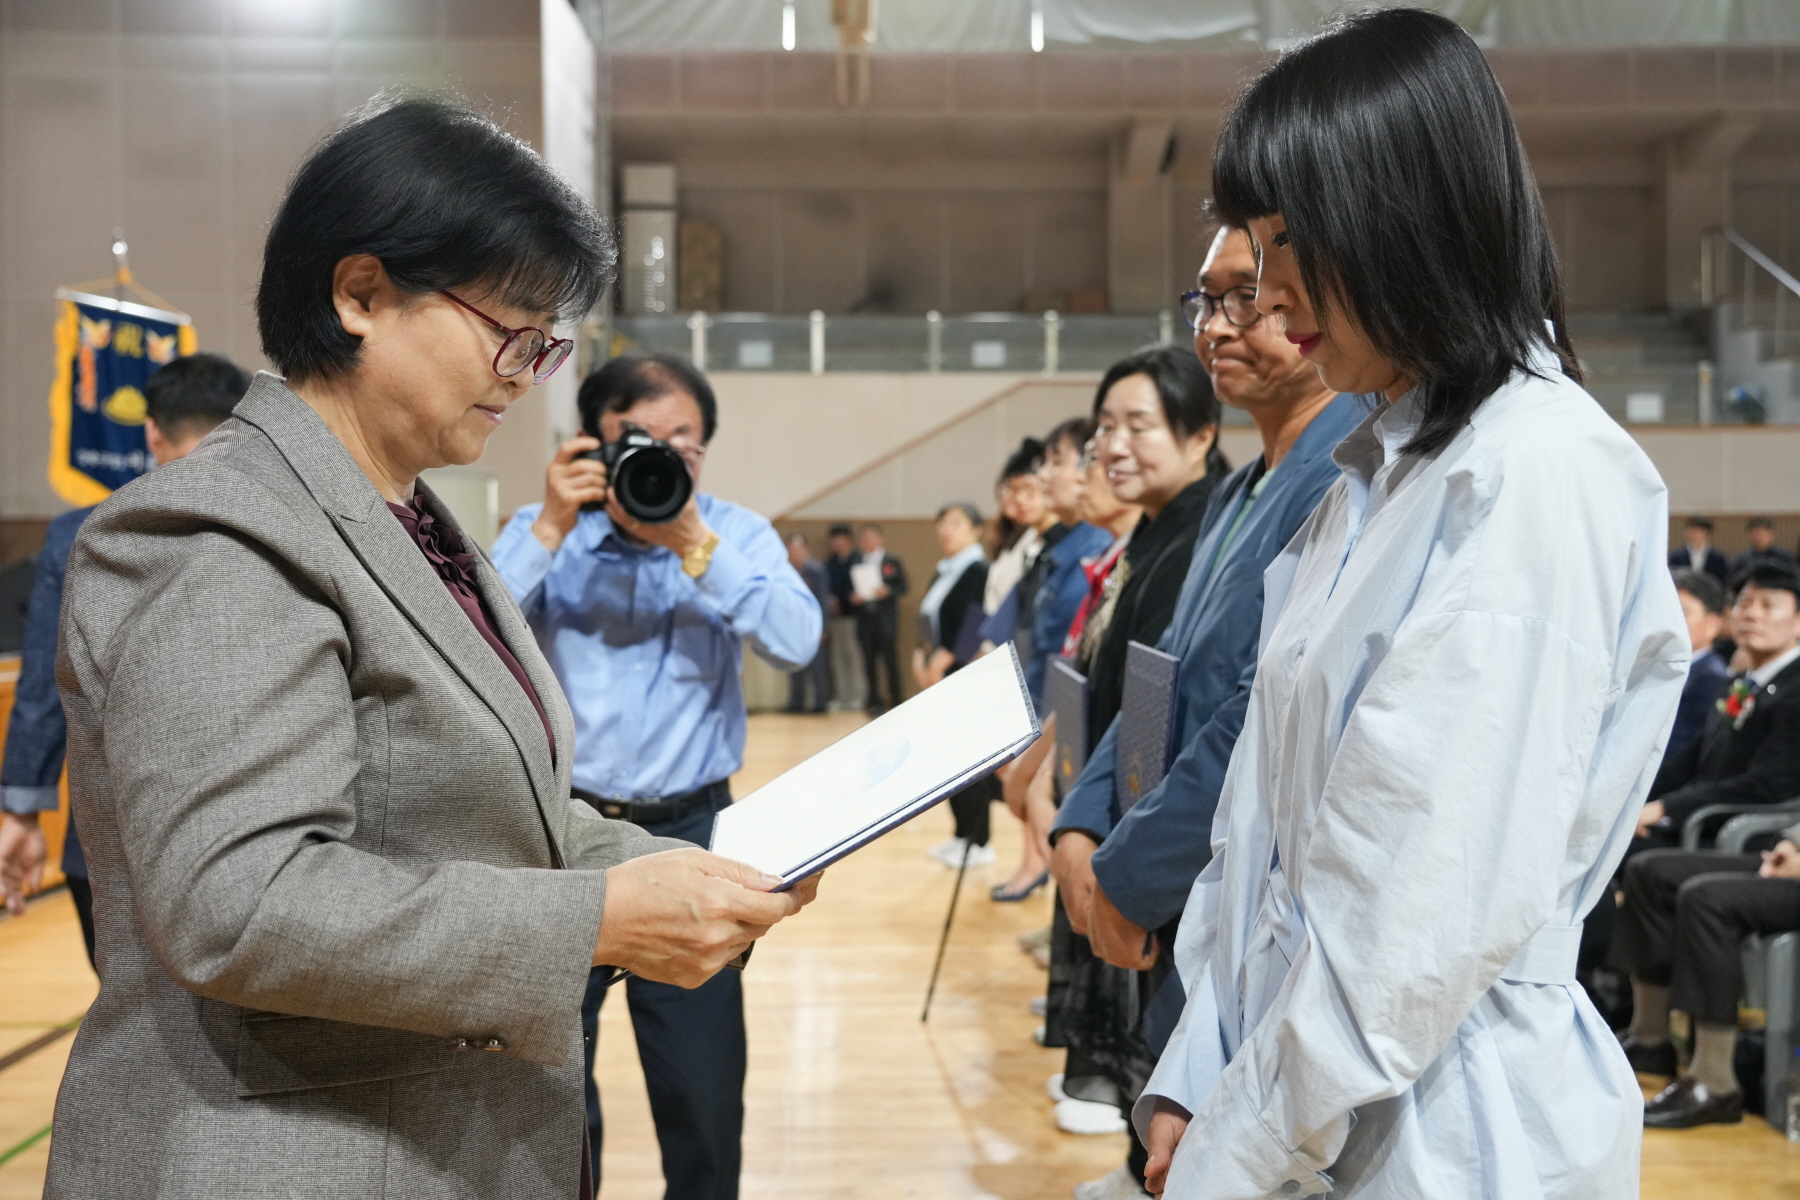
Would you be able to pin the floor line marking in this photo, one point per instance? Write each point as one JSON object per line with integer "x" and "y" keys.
{"x": 7, "y": 1156}
{"x": 38, "y": 1043}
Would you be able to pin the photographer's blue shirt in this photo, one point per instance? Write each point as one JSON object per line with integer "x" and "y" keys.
{"x": 648, "y": 657}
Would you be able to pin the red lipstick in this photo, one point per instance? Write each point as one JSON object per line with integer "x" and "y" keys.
{"x": 1306, "y": 342}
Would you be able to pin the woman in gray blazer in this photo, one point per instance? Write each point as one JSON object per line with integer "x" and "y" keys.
{"x": 345, "y": 906}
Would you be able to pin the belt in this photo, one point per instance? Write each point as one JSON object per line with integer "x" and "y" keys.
{"x": 648, "y": 810}
{"x": 1549, "y": 957}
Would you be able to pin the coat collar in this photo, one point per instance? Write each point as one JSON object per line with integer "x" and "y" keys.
{"x": 381, "y": 544}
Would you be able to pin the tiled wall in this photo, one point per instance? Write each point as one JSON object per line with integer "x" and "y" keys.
{"x": 180, "y": 120}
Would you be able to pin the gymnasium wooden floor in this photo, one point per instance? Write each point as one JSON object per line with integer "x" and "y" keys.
{"x": 849, "y": 1096}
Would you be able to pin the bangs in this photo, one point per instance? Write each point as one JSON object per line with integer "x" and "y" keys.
{"x": 1388, "y": 149}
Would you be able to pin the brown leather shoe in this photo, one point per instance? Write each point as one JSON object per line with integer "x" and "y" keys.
{"x": 1687, "y": 1102}
{"x": 1646, "y": 1059}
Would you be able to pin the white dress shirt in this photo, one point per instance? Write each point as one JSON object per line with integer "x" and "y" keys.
{"x": 1470, "y": 663}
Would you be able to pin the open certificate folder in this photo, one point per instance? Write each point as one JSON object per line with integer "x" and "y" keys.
{"x": 884, "y": 774}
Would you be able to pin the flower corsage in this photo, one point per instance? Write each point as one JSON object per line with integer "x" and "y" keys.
{"x": 1738, "y": 703}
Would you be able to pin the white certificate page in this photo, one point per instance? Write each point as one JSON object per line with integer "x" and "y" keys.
{"x": 885, "y": 773}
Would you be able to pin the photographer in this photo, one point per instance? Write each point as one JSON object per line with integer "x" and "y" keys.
{"x": 644, "y": 625}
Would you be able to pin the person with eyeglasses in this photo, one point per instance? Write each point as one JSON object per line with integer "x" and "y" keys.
{"x": 344, "y": 905}
{"x": 645, "y": 626}
{"x": 1124, "y": 879}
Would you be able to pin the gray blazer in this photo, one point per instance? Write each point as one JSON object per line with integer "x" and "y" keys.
{"x": 345, "y": 906}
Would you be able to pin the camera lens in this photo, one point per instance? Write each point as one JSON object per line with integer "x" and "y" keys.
{"x": 652, "y": 483}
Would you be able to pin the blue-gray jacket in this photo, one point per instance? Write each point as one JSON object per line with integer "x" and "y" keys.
{"x": 37, "y": 735}
{"x": 1147, "y": 861}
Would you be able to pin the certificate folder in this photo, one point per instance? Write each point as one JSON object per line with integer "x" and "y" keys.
{"x": 884, "y": 774}
{"x": 1146, "y": 723}
{"x": 1066, "y": 695}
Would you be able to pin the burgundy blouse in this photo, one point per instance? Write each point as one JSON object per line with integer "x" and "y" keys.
{"x": 456, "y": 567}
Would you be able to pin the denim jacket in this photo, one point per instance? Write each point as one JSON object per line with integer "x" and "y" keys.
{"x": 37, "y": 735}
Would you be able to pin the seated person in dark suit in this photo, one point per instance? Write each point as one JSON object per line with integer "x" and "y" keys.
{"x": 1685, "y": 913}
{"x": 1749, "y": 751}
{"x": 1761, "y": 532}
{"x": 1698, "y": 554}
{"x": 1703, "y": 603}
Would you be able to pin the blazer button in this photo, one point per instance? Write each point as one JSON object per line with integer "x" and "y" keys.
{"x": 459, "y": 1043}
{"x": 493, "y": 1044}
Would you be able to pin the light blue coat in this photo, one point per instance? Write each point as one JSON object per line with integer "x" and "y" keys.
{"x": 1470, "y": 663}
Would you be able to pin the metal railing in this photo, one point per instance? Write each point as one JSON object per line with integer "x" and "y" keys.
{"x": 1753, "y": 299}
{"x": 1016, "y": 342}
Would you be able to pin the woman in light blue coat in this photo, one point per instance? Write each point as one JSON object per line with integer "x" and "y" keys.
{"x": 1471, "y": 657}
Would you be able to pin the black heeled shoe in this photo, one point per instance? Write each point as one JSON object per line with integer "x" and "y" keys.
{"x": 1004, "y": 895}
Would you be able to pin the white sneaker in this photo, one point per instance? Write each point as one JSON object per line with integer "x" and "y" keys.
{"x": 1037, "y": 1035}
{"x": 1039, "y": 1006}
{"x": 1116, "y": 1184}
{"x": 979, "y": 856}
{"x": 1088, "y": 1117}
{"x": 949, "y": 851}
{"x": 1053, "y": 1085}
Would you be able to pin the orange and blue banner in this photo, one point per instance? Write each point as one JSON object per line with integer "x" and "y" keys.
{"x": 105, "y": 352}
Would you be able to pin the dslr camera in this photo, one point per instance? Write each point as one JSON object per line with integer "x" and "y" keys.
{"x": 646, "y": 476}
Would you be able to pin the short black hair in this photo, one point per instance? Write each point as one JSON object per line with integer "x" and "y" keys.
{"x": 1702, "y": 587}
{"x": 1700, "y": 523}
{"x": 447, "y": 202}
{"x": 1771, "y": 577}
{"x": 621, "y": 383}
{"x": 1023, "y": 461}
{"x": 194, "y": 394}
{"x": 1386, "y": 146}
{"x": 1189, "y": 403}
{"x": 841, "y": 529}
{"x": 1759, "y": 523}
{"x": 965, "y": 508}
{"x": 1076, "y": 432}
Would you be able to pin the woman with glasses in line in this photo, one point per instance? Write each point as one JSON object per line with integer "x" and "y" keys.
{"x": 1470, "y": 661}
{"x": 345, "y": 907}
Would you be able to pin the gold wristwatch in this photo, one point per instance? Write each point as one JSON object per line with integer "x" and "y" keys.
{"x": 695, "y": 561}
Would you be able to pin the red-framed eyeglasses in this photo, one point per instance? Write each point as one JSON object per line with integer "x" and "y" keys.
{"x": 527, "y": 347}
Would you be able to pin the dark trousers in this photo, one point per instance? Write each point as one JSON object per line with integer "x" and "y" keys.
{"x": 971, "y": 809}
{"x": 691, "y": 1045}
{"x": 1685, "y": 913}
{"x": 814, "y": 676}
{"x": 878, "y": 632}
{"x": 83, "y": 895}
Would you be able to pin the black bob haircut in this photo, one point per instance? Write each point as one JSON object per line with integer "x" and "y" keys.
{"x": 194, "y": 394}
{"x": 1023, "y": 461}
{"x": 1702, "y": 587}
{"x": 962, "y": 506}
{"x": 1189, "y": 403}
{"x": 1075, "y": 432}
{"x": 619, "y": 383}
{"x": 447, "y": 202}
{"x": 1386, "y": 146}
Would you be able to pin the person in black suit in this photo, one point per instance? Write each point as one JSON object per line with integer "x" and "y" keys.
{"x": 950, "y": 618}
{"x": 1761, "y": 532}
{"x": 878, "y": 614}
{"x": 1698, "y": 554}
{"x": 1685, "y": 912}
{"x": 1749, "y": 752}
{"x": 1685, "y": 915}
{"x": 1703, "y": 603}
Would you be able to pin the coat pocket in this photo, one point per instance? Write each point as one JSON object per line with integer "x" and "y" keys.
{"x": 281, "y": 1053}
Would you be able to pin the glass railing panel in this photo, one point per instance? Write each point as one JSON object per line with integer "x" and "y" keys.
{"x": 993, "y": 342}
{"x": 1094, "y": 342}
{"x": 869, "y": 342}
{"x": 758, "y": 342}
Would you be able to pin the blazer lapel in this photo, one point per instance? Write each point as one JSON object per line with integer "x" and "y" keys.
{"x": 397, "y": 564}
